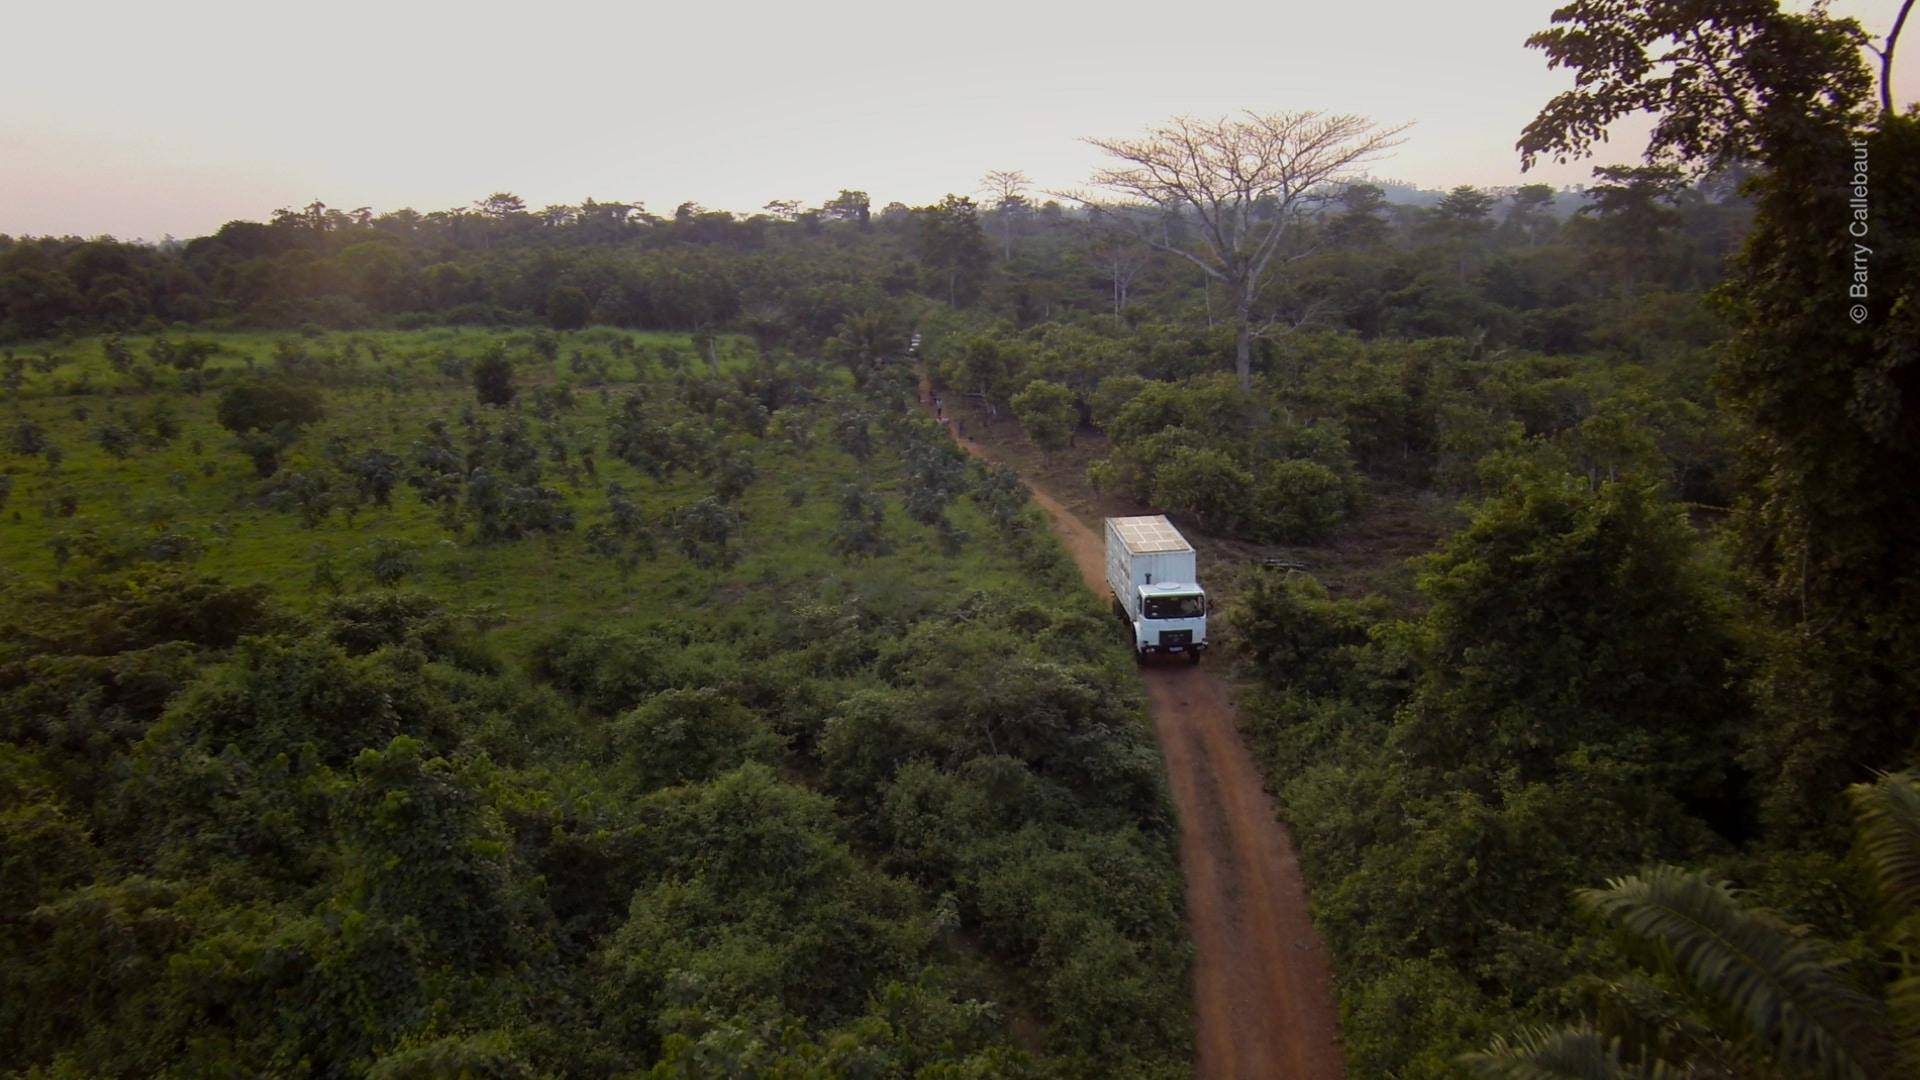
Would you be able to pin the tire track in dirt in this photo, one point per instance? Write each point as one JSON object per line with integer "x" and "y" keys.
{"x": 1262, "y": 988}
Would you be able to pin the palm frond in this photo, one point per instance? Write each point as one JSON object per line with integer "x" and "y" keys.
{"x": 1654, "y": 1019}
{"x": 1887, "y": 813}
{"x": 1781, "y": 991}
{"x": 1903, "y": 1003}
{"x": 1579, "y": 1053}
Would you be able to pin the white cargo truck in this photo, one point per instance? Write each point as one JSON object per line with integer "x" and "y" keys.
{"x": 1156, "y": 590}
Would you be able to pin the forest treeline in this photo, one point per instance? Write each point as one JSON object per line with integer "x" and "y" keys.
{"x": 1552, "y": 271}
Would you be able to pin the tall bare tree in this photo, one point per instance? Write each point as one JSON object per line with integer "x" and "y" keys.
{"x": 1119, "y": 251}
{"x": 1008, "y": 191}
{"x": 1245, "y": 184}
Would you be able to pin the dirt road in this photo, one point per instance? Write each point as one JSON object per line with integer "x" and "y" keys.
{"x": 1262, "y": 990}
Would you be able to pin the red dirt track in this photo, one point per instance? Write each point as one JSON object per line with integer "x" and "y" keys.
{"x": 1262, "y": 990}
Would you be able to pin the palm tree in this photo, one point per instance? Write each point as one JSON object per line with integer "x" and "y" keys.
{"x": 1769, "y": 1002}
{"x": 1887, "y": 814}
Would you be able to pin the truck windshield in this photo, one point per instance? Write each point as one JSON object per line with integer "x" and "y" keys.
{"x": 1176, "y": 607}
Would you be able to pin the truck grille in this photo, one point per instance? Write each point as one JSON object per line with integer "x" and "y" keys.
{"x": 1172, "y": 638}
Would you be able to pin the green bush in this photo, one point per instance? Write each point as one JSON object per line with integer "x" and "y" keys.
{"x": 1114, "y": 393}
{"x": 264, "y": 406}
{"x": 1047, "y": 413}
{"x": 1299, "y": 501}
{"x": 683, "y": 735}
{"x": 1296, "y": 636}
{"x": 1205, "y": 483}
{"x": 493, "y": 377}
{"x": 606, "y": 671}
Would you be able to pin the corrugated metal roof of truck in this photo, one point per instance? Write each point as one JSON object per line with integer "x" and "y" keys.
{"x": 1149, "y": 535}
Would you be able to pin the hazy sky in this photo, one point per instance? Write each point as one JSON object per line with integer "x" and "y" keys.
{"x": 152, "y": 118}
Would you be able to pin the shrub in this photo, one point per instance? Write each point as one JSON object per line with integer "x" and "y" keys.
{"x": 862, "y": 517}
{"x": 27, "y": 438}
{"x": 851, "y": 432}
{"x": 1205, "y": 483}
{"x": 264, "y": 448}
{"x": 709, "y": 532}
{"x": 363, "y": 622}
{"x": 374, "y": 474}
{"x": 390, "y": 561}
{"x": 604, "y": 671}
{"x": 1114, "y": 393}
{"x": 1298, "y": 637}
{"x": 264, "y": 406}
{"x": 117, "y": 441}
{"x": 683, "y": 735}
{"x": 493, "y": 377}
{"x": 1298, "y": 501}
{"x": 1047, "y": 413}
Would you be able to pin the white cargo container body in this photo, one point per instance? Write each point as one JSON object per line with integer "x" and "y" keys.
{"x": 1156, "y": 586}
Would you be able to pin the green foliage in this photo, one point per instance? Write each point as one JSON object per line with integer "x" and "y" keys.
{"x": 429, "y": 850}
{"x": 27, "y": 439}
{"x": 1756, "y": 992}
{"x": 1047, "y": 413}
{"x": 1296, "y": 635}
{"x": 374, "y": 473}
{"x": 605, "y": 671}
{"x": 1205, "y": 483}
{"x": 733, "y": 805}
{"x": 1298, "y": 501}
{"x": 1564, "y": 618}
{"x": 1564, "y": 703}
{"x": 1826, "y": 419}
{"x": 1413, "y": 1019}
{"x": 953, "y": 247}
{"x": 1542, "y": 1054}
{"x": 1780, "y": 990}
{"x": 366, "y": 841}
{"x": 489, "y": 1054}
{"x": 708, "y": 532}
{"x": 267, "y": 406}
{"x": 861, "y": 532}
{"x": 1887, "y": 816}
{"x": 684, "y": 735}
{"x": 1813, "y": 380}
{"x": 568, "y": 308}
{"x": 390, "y": 561}
{"x": 1112, "y": 396}
{"x": 853, "y": 432}
{"x": 117, "y": 441}
{"x": 864, "y": 340}
{"x": 493, "y": 377}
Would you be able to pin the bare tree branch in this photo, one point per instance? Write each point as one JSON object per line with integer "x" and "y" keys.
{"x": 1886, "y": 59}
{"x": 1009, "y": 190}
{"x": 1244, "y": 185}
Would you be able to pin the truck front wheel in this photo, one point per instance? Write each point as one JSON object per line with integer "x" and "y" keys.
{"x": 1193, "y": 656}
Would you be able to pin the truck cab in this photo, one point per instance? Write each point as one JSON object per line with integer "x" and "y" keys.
{"x": 1151, "y": 570}
{"x": 1173, "y": 619}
